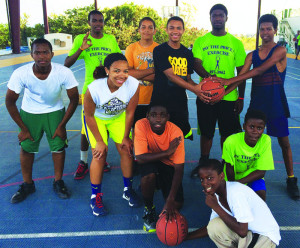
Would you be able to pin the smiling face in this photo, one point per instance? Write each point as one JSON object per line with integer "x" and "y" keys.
{"x": 267, "y": 31}
{"x": 96, "y": 23}
{"x": 147, "y": 30}
{"x": 210, "y": 180}
{"x": 175, "y": 30}
{"x": 158, "y": 117}
{"x": 254, "y": 128}
{"x": 117, "y": 74}
{"x": 42, "y": 55}
{"x": 218, "y": 19}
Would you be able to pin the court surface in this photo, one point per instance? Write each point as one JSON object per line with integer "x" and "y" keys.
{"x": 44, "y": 220}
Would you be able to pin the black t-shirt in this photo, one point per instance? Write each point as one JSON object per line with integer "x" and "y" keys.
{"x": 182, "y": 62}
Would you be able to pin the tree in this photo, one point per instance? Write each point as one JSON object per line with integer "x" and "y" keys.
{"x": 4, "y": 36}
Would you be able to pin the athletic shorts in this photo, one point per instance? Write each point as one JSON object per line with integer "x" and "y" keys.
{"x": 140, "y": 113}
{"x": 180, "y": 118}
{"x": 257, "y": 185}
{"x": 37, "y": 124}
{"x": 115, "y": 127}
{"x": 164, "y": 178}
{"x": 278, "y": 127}
{"x": 223, "y": 112}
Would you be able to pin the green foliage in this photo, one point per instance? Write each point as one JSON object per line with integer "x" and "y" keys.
{"x": 249, "y": 42}
{"x": 4, "y": 36}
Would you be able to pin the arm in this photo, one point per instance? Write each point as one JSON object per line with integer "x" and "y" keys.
{"x": 86, "y": 43}
{"x": 253, "y": 176}
{"x": 61, "y": 129}
{"x": 10, "y": 101}
{"x": 141, "y": 74}
{"x": 230, "y": 172}
{"x": 127, "y": 142}
{"x": 239, "y": 104}
{"x": 89, "y": 111}
{"x": 199, "y": 69}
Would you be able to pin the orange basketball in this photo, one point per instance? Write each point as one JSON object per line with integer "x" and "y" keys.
{"x": 171, "y": 233}
{"x": 216, "y": 89}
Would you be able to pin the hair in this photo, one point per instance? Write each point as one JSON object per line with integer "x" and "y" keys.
{"x": 219, "y": 7}
{"x": 175, "y": 18}
{"x": 268, "y": 18}
{"x": 94, "y": 12}
{"x": 41, "y": 41}
{"x": 255, "y": 114}
{"x": 213, "y": 164}
{"x": 157, "y": 104}
{"x": 147, "y": 19}
{"x": 99, "y": 72}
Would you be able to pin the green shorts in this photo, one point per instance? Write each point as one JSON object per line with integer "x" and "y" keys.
{"x": 115, "y": 127}
{"x": 37, "y": 124}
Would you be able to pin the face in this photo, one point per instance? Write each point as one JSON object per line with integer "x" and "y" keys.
{"x": 117, "y": 73}
{"x": 41, "y": 55}
{"x": 267, "y": 31}
{"x": 210, "y": 180}
{"x": 218, "y": 19}
{"x": 158, "y": 117}
{"x": 254, "y": 128}
{"x": 175, "y": 30}
{"x": 147, "y": 30}
{"x": 96, "y": 23}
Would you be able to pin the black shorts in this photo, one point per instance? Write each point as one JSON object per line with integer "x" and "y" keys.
{"x": 140, "y": 113}
{"x": 180, "y": 118}
{"x": 223, "y": 112}
{"x": 164, "y": 178}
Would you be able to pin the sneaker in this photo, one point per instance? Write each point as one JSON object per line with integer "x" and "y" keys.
{"x": 82, "y": 169}
{"x": 25, "y": 189}
{"x": 132, "y": 198}
{"x": 97, "y": 205}
{"x": 292, "y": 188}
{"x": 60, "y": 189}
{"x": 106, "y": 167}
{"x": 150, "y": 219}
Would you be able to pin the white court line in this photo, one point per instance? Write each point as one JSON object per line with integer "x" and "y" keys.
{"x": 296, "y": 74}
{"x": 293, "y": 67}
{"x": 78, "y": 69}
{"x": 100, "y": 233}
{"x": 293, "y": 77}
{"x": 4, "y": 83}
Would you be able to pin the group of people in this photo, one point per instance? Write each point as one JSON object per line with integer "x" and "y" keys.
{"x": 139, "y": 100}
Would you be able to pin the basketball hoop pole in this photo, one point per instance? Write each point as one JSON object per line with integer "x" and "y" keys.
{"x": 96, "y": 8}
{"x": 258, "y": 16}
{"x": 177, "y": 8}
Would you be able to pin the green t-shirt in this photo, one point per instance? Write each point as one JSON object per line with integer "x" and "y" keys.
{"x": 246, "y": 159}
{"x": 95, "y": 55}
{"x": 298, "y": 38}
{"x": 220, "y": 56}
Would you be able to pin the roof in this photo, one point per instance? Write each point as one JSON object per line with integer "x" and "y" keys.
{"x": 294, "y": 23}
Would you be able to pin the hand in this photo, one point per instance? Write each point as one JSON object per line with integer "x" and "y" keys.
{"x": 211, "y": 200}
{"x": 127, "y": 144}
{"x": 86, "y": 43}
{"x": 238, "y": 106}
{"x": 24, "y": 134}
{"x": 169, "y": 210}
{"x": 173, "y": 145}
{"x": 100, "y": 150}
{"x": 223, "y": 81}
{"x": 201, "y": 93}
{"x": 60, "y": 132}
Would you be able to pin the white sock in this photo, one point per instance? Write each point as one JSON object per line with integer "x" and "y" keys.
{"x": 84, "y": 156}
{"x": 93, "y": 196}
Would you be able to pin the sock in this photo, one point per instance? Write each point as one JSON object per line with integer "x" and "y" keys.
{"x": 84, "y": 156}
{"x": 96, "y": 188}
{"x": 127, "y": 183}
{"x": 291, "y": 176}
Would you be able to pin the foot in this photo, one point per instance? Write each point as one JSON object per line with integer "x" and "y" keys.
{"x": 97, "y": 205}
{"x": 61, "y": 190}
{"x": 106, "y": 167}
{"x": 292, "y": 188}
{"x": 132, "y": 198}
{"x": 25, "y": 189}
{"x": 150, "y": 219}
{"x": 82, "y": 169}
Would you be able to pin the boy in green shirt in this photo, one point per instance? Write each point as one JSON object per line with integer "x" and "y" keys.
{"x": 248, "y": 155}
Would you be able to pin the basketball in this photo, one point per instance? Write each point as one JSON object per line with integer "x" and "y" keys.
{"x": 171, "y": 233}
{"x": 216, "y": 89}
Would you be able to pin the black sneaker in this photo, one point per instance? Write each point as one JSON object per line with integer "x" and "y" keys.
{"x": 292, "y": 188}
{"x": 82, "y": 169}
{"x": 150, "y": 219}
{"x": 24, "y": 190}
{"x": 60, "y": 189}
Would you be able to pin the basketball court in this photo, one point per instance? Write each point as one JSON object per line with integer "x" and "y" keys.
{"x": 44, "y": 220}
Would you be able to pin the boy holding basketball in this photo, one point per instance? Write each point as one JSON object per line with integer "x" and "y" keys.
{"x": 159, "y": 150}
{"x": 239, "y": 217}
{"x": 248, "y": 155}
{"x": 267, "y": 93}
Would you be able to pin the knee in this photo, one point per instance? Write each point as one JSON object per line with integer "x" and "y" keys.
{"x": 215, "y": 226}
{"x": 285, "y": 144}
{"x": 148, "y": 178}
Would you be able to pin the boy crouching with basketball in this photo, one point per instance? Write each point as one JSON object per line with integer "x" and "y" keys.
{"x": 239, "y": 217}
{"x": 248, "y": 155}
{"x": 159, "y": 150}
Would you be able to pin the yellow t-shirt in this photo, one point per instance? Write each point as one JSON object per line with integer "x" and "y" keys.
{"x": 139, "y": 57}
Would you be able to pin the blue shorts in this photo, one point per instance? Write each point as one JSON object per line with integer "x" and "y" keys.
{"x": 278, "y": 127}
{"x": 258, "y": 185}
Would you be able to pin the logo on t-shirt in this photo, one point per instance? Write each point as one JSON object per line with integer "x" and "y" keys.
{"x": 113, "y": 106}
{"x": 179, "y": 66}
{"x": 100, "y": 52}
{"x": 246, "y": 162}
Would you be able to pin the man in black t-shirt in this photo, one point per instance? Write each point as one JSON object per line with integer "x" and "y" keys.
{"x": 173, "y": 65}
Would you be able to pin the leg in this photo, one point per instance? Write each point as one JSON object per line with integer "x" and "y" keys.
{"x": 26, "y": 160}
{"x": 126, "y": 161}
{"x": 148, "y": 184}
{"x": 59, "y": 162}
{"x": 84, "y": 144}
{"x": 261, "y": 194}
{"x": 96, "y": 170}
{"x": 287, "y": 154}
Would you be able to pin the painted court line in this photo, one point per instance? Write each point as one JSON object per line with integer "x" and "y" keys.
{"x": 100, "y": 233}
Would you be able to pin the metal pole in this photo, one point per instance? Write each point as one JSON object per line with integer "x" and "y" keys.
{"x": 96, "y": 6}
{"x": 177, "y": 8}
{"x": 258, "y": 16}
{"x": 46, "y": 25}
{"x": 14, "y": 13}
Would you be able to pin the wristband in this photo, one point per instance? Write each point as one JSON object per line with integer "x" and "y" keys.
{"x": 241, "y": 98}
{"x": 81, "y": 49}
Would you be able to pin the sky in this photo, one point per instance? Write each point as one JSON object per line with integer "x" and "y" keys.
{"x": 242, "y": 14}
